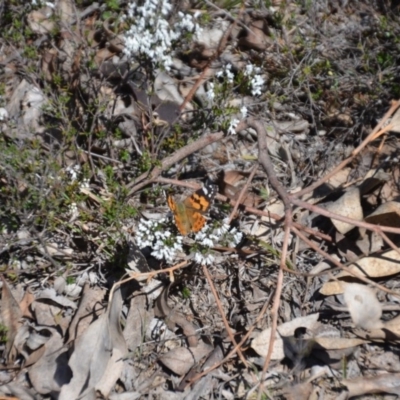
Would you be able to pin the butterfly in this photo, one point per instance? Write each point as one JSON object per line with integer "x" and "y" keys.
{"x": 189, "y": 214}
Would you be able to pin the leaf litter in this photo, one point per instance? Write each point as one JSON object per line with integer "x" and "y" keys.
{"x": 293, "y": 293}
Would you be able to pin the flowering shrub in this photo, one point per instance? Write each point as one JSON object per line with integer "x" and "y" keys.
{"x": 151, "y": 35}
{"x": 167, "y": 246}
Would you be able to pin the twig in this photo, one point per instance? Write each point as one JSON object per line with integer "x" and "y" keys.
{"x": 235, "y": 349}
{"x": 219, "y": 305}
{"x": 242, "y": 193}
{"x": 168, "y": 162}
{"x": 341, "y": 266}
{"x": 221, "y": 46}
{"x": 373, "y": 135}
{"x": 147, "y": 275}
{"x": 266, "y": 162}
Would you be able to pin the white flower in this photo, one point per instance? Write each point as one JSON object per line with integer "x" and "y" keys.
{"x": 226, "y": 71}
{"x": 249, "y": 69}
{"x": 229, "y": 76}
{"x": 206, "y": 259}
{"x": 73, "y": 171}
{"x": 256, "y": 84}
{"x": 243, "y": 111}
{"x": 72, "y": 290}
{"x": 73, "y": 209}
{"x": 207, "y": 242}
{"x": 210, "y": 92}
{"x": 232, "y": 126}
{"x": 151, "y": 34}
{"x": 84, "y": 184}
{"x": 3, "y": 114}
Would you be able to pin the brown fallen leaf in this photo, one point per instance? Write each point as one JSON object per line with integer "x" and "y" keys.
{"x": 180, "y": 360}
{"x": 382, "y": 265}
{"x": 97, "y": 359}
{"x": 11, "y": 315}
{"x": 385, "y": 383}
{"x": 348, "y": 205}
{"x": 172, "y": 318}
{"x": 230, "y": 185}
{"x": 261, "y": 342}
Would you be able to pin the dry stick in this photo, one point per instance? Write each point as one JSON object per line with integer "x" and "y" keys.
{"x": 319, "y": 210}
{"x": 235, "y": 349}
{"x": 341, "y": 266}
{"x": 266, "y": 162}
{"x": 375, "y": 133}
{"x": 148, "y": 275}
{"x": 172, "y": 160}
{"x": 378, "y": 229}
{"x": 242, "y": 193}
{"x": 219, "y": 305}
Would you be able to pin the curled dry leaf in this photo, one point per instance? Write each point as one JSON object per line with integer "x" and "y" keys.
{"x": 172, "y": 318}
{"x": 51, "y": 294}
{"x": 256, "y": 35}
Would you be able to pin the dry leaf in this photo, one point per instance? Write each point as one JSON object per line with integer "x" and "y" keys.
{"x": 98, "y": 351}
{"x": 348, "y": 205}
{"x": 65, "y": 9}
{"x": 261, "y": 342}
{"x": 11, "y": 316}
{"x": 395, "y": 121}
{"x": 387, "y": 214}
{"x": 86, "y": 312}
{"x": 365, "y": 309}
{"x": 51, "y": 371}
{"x": 338, "y": 343}
{"x": 181, "y": 359}
{"x": 385, "y": 383}
{"x": 385, "y": 264}
{"x": 231, "y": 183}
{"x": 40, "y": 21}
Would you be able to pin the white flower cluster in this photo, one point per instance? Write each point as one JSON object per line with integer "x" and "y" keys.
{"x": 232, "y": 126}
{"x": 151, "y": 34}
{"x": 227, "y": 73}
{"x": 257, "y": 81}
{"x": 73, "y": 171}
{"x": 40, "y": 3}
{"x": 208, "y": 237}
{"x": 210, "y": 92}
{"x": 73, "y": 209}
{"x": 3, "y": 114}
{"x": 153, "y": 234}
